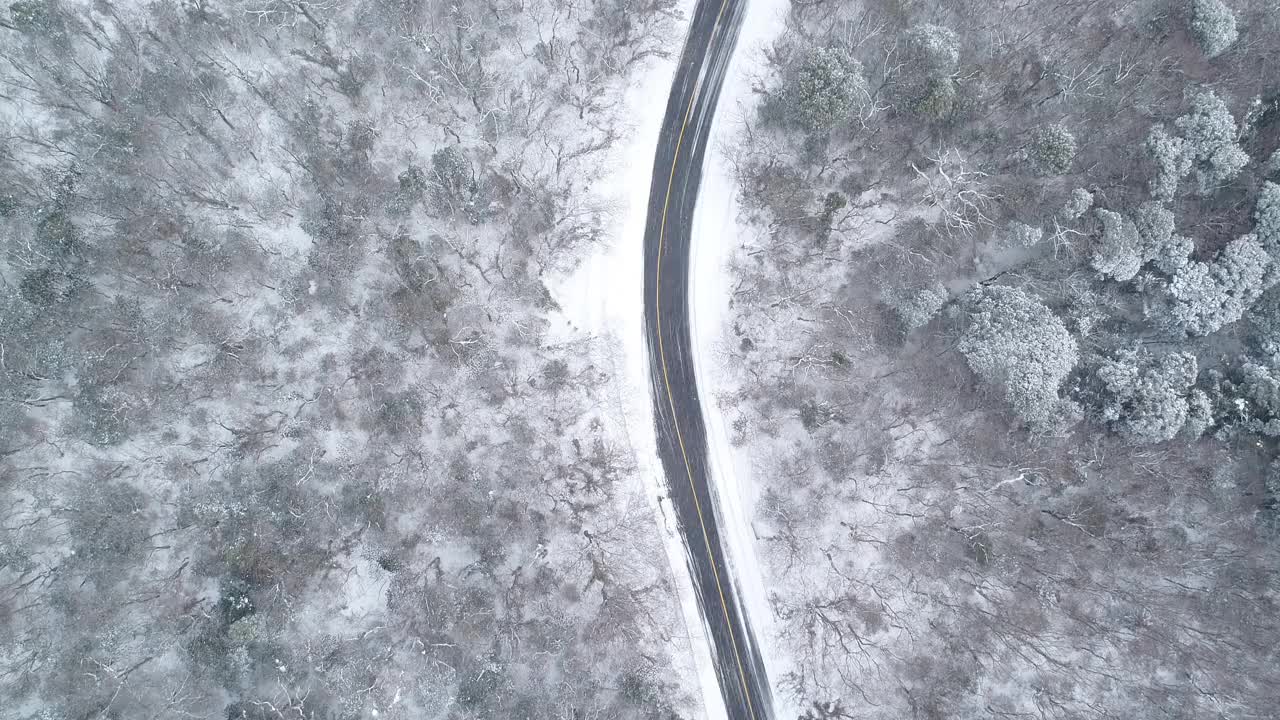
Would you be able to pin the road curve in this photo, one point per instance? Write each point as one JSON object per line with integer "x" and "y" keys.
{"x": 682, "y": 437}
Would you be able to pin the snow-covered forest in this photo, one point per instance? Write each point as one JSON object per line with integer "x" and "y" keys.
{"x": 298, "y": 419}
{"x": 1004, "y": 342}
{"x": 289, "y": 423}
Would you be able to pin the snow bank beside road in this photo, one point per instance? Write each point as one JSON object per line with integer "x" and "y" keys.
{"x": 716, "y": 233}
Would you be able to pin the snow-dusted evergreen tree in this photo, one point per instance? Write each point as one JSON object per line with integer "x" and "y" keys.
{"x": 1269, "y": 511}
{"x": 1264, "y": 327}
{"x": 1207, "y": 146}
{"x": 827, "y": 89}
{"x": 1014, "y": 342}
{"x": 1206, "y": 296}
{"x": 929, "y": 56}
{"x": 1144, "y": 398}
{"x": 1127, "y": 244}
{"x": 1077, "y": 204}
{"x": 453, "y": 182}
{"x": 1211, "y": 135}
{"x": 1214, "y": 26}
{"x": 1172, "y": 161}
{"x": 1199, "y": 413}
{"x": 1160, "y": 245}
{"x": 1246, "y": 399}
{"x": 1260, "y": 386}
{"x": 1024, "y": 235}
{"x": 1052, "y": 149}
{"x": 1155, "y": 224}
{"x": 931, "y": 50}
{"x": 1118, "y": 253}
{"x": 1271, "y": 167}
{"x": 915, "y": 308}
{"x": 1266, "y": 218}
{"x": 935, "y": 100}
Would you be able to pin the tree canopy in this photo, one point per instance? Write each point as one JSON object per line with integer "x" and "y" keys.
{"x": 1214, "y": 26}
{"x": 1014, "y": 342}
{"x": 1206, "y": 296}
{"x": 827, "y": 89}
{"x": 1145, "y": 398}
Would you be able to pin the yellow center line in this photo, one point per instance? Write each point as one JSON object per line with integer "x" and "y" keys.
{"x": 662, "y": 355}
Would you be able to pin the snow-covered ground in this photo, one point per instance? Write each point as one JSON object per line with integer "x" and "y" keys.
{"x": 717, "y": 232}
{"x": 604, "y": 298}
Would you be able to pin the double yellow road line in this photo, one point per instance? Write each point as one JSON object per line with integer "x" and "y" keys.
{"x": 662, "y": 356}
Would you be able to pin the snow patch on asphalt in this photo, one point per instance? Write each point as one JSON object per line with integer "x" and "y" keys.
{"x": 717, "y": 232}
{"x": 604, "y": 298}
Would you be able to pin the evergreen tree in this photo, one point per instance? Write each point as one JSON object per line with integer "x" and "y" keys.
{"x": 1172, "y": 161}
{"x": 1024, "y": 236}
{"x": 1077, "y": 204}
{"x": 827, "y": 89}
{"x": 1211, "y": 134}
{"x": 1271, "y": 167}
{"x": 1264, "y": 327}
{"x": 1144, "y": 398}
{"x": 915, "y": 308}
{"x": 1246, "y": 400}
{"x": 1160, "y": 245}
{"x": 1053, "y": 147}
{"x": 1118, "y": 254}
{"x": 925, "y": 85}
{"x": 1207, "y": 146}
{"x": 1204, "y": 297}
{"x": 931, "y": 50}
{"x": 1266, "y": 218}
{"x": 1214, "y": 26}
{"x": 1014, "y": 342}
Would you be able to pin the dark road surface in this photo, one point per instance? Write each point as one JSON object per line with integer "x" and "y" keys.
{"x": 682, "y": 437}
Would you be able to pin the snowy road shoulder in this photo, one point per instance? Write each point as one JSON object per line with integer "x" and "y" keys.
{"x": 717, "y": 231}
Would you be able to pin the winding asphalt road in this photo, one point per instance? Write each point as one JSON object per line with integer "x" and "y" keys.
{"x": 682, "y": 437}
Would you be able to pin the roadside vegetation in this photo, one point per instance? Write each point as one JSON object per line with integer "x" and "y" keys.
{"x": 1006, "y": 340}
{"x": 285, "y": 427}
